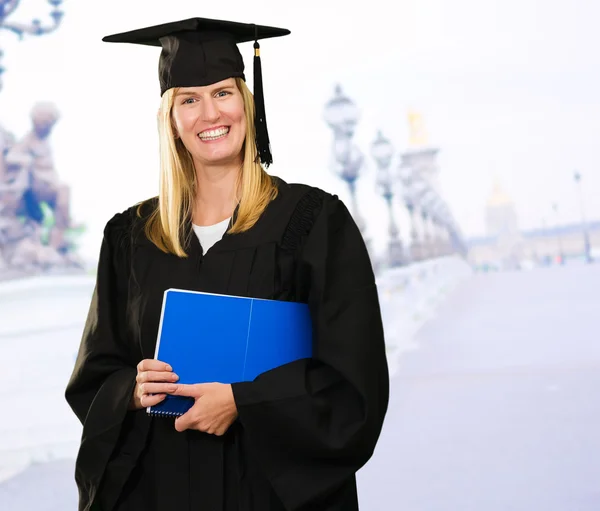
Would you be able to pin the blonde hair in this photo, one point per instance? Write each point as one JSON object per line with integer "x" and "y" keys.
{"x": 177, "y": 188}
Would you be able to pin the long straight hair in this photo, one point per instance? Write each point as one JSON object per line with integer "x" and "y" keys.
{"x": 178, "y": 181}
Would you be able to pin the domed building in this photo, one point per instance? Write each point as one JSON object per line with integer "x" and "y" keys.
{"x": 500, "y": 213}
{"x": 502, "y": 246}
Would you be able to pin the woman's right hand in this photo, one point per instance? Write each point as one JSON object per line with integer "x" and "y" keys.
{"x": 151, "y": 377}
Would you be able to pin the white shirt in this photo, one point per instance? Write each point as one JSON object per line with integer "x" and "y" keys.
{"x": 210, "y": 234}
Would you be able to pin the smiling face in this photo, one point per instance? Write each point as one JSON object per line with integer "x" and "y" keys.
{"x": 211, "y": 122}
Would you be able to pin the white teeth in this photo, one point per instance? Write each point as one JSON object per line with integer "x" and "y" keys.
{"x": 213, "y": 134}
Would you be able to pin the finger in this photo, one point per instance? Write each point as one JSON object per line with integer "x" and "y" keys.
{"x": 151, "y": 364}
{"x": 157, "y": 388}
{"x": 156, "y": 376}
{"x": 182, "y": 422}
{"x": 182, "y": 389}
{"x": 147, "y": 400}
{"x": 222, "y": 428}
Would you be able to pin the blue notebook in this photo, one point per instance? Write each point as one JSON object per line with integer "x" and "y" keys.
{"x": 219, "y": 338}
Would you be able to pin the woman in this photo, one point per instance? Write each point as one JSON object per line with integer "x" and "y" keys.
{"x": 294, "y": 437}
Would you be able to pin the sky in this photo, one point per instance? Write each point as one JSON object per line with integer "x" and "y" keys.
{"x": 508, "y": 90}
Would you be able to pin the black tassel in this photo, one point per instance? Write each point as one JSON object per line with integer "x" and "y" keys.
{"x": 263, "y": 146}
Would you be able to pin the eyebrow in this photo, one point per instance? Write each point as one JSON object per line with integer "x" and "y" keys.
{"x": 193, "y": 93}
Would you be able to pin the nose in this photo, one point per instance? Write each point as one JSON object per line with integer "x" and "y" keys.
{"x": 210, "y": 110}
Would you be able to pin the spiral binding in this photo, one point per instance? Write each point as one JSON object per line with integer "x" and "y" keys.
{"x": 163, "y": 413}
{"x": 171, "y": 407}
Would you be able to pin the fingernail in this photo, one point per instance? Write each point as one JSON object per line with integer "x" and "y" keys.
{"x": 174, "y": 377}
{"x": 169, "y": 368}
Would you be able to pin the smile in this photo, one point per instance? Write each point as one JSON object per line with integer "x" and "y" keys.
{"x": 215, "y": 134}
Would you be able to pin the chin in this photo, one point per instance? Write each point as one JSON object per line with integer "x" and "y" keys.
{"x": 222, "y": 158}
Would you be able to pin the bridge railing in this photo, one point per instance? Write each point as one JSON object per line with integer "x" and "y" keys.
{"x": 410, "y": 295}
{"x": 41, "y": 321}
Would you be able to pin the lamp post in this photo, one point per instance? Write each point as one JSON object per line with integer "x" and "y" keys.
{"x": 436, "y": 229}
{"x": 405, "y": 174}
{"x": 419, "y": 190}
{"x": 438, "y": 219}
{"x": 382, "y": 152}
{"x": 586, "y": 238}
{"x": 341, "y": 114}
{"x": 426, "y": 201}
{"x": 35, "y": 27}
{"x": 448, "y": 230}
{"x": 561, "y": 255}
{"x": 451, "y": 242}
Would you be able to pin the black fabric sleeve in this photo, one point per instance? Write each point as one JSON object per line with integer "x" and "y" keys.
{"x": 103, "y": 379}
{"x": 313, "y": 424}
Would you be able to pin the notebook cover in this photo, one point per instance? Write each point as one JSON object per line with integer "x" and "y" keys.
{"x": 254, "y": 336}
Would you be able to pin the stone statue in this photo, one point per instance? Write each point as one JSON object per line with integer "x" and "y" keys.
{"x": 28, "y": 179}
{"x": 44, "y": 182}
{"x": 20, "y": 240}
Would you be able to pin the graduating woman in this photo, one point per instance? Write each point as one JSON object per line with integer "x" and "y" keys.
{"x": 294, "y": 437}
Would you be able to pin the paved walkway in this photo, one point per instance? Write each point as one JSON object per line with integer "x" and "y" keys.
{"x": 499, "y": 407}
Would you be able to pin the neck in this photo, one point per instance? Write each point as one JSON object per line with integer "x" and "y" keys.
{"x": 216, "y": 194}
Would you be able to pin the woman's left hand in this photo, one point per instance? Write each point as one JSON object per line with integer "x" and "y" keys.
{"x": 214, "y": 410}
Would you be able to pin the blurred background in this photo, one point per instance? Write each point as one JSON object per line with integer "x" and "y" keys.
{"x": 462, "y": 135}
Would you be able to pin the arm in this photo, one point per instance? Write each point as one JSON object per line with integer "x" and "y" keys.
{"x": 313, "y": 424}
{"x": 101, "y": 385}
{"x": 102, "y": 355}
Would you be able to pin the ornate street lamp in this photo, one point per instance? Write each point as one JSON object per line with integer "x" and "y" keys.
{"x": 383, "y": 152}
{"x": 586, "y": 237}
{"x": 435, "y": 224}
{"x": 426, "y": 201}
{"x": 7, "y": 7}
{"x": 442, "y": 221}
{"x": 35, "y": 27}
{"x": 406, "y": 177}
{"x": 341, "y": 114}
{"x": 447, "y": 228}
{"x": 2, "y": 69}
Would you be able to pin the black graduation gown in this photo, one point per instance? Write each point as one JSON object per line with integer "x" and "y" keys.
{"x": 303, "y": 430}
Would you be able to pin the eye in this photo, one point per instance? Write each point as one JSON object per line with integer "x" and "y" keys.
{"x": 223, "y": 93}
{"x": 187, "y": 101}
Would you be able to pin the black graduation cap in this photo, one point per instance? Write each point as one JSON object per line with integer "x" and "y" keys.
{"x": 206, "y": 52}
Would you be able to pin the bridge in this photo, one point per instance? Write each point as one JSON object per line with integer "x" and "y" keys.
{"x": 493, "y": 394}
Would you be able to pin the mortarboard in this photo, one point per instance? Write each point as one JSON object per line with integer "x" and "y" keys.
{"x": 206, "y": 52}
